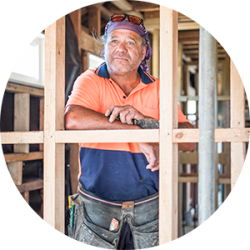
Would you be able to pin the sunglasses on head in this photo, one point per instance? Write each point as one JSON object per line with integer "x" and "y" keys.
{"x": 121, "y": 17}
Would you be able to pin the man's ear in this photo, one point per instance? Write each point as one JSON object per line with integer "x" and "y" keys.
{"x": 144, "y": 51}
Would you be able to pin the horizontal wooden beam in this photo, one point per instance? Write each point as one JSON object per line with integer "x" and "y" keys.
{"x": 154, "y": 23}
{"x": 185, "y": 98}
{"x": 22, "y": 137}
{"x": 195, "y": 179}
{"x": 221, "y": 135}
{"x": 126, "y": 7}
{"x": 23, "y": 157}
{"x": 76, "y": 136}
{"x": 30, "y": 185}
{"x": 143, "y": 135}
{"x": 140, "y": 5}
{"x": 19, "y": 88}
{"x": 193, "y": 158}
{"x": 105, "y": 13}
{"x": 89, "y": 44}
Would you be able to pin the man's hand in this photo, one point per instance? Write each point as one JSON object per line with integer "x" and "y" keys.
{"x": 151, "y": 151}
{"x": 126, "y": 113}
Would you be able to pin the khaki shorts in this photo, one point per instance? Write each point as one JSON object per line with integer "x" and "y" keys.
{"x": 92, "y": 217}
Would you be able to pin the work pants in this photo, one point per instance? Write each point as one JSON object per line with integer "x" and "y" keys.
{"x": 93, "y": 215}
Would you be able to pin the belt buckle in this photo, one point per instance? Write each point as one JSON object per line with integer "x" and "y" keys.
{"x": 128, "y": 204}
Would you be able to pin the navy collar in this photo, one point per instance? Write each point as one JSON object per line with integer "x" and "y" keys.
{"x": 102, "y": 71}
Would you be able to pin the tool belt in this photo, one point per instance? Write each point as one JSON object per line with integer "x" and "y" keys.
{"x": 92, "y": 217}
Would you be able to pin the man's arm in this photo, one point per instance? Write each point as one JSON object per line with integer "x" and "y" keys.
{"x": 186, "y": 146}
{"x": 80, "y": 118}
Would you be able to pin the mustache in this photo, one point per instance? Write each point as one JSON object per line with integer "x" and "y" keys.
{"x": 121, "y": 55}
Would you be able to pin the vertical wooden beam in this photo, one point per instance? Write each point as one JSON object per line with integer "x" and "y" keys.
{"x": 21, "y": 123}
{"x": 155, "y": 54}
{"x": 180, "y": 198}
{"x": 179, "y": 68}
{"x": 238, "y": 150}
{"x": 226, "y": 108}
{"x": 41, "y": 120}
{"x": 216, "y": 157}
{"x": 94, "y": 20}
{"x": 168, "y": 202}
{"x": 54, "y": 154}
{"x": 74, "y": 166}
{"x": 75, "y": 17}
{"x": 16, "y": 171}
{"x": 21, "y": 118}
{"x": 74, "y": 147}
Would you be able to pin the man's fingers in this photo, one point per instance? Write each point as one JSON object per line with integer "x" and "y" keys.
{"x": 109, "y": 110}
{"x": 155, "y": 168}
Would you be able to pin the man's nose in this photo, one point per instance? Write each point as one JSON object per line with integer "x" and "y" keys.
{"x": 121, "y": 47}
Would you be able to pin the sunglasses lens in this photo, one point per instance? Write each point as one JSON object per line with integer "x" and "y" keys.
{"x": 117, "y": 18}
{"x": 135, "y": 20}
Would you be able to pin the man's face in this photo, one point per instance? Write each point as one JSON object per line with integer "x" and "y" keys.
{"x": 124, "y": 52}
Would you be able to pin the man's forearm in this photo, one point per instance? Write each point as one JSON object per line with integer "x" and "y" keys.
{"x": 80, "y": 118}
{"x": 186, "y": 146}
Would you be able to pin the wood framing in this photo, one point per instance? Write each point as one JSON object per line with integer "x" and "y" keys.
{"x": 94, "y": 19}
{"x": 75, "y": 17}
{"x": 17, "y": 88}
{"x": 155, "y": 54}
{"x": 53, "y": 136}
{"x": 23, "y": 157}
{"x": 89, "y": 44}
{"x": 21, "y": 118}
{"x": 54, "y": 162}
{"x": 168, "y": 180}
{"x": 237, "y": 122}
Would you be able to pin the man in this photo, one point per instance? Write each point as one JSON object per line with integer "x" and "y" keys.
{"x": 118, "y": 181}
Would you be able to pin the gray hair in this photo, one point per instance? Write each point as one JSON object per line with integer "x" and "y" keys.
{"x": 103, "y": 40}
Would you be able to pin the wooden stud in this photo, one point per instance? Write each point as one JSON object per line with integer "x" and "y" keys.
{"x": 75, "y": 17}
{"x": 41, "y": 120}
{"x": 155, "y": 54}
{"x": 21, "y": 118}
{"x": 54, "y": 160}
{"x": 74, "y": 166}
{"x": 168, "y": 183}
{"x": 94, "y": 19}
{"x": 180, "y": 51}
{"x": 238, "y": 151}
{"x": 226, "y": 108}
{"x": 16, "y": 171}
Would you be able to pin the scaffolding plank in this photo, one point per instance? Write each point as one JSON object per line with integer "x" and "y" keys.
{"x": 168, "y": 189}
{"x": 238, "y": 150}
{"x": 54, "y": 160}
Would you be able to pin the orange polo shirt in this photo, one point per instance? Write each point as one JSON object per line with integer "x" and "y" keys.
{"x": 116, "y": 171}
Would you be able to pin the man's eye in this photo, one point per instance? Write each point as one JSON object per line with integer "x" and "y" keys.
{"x": 113, "y": 41}
{"x": 130, "y": 43}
